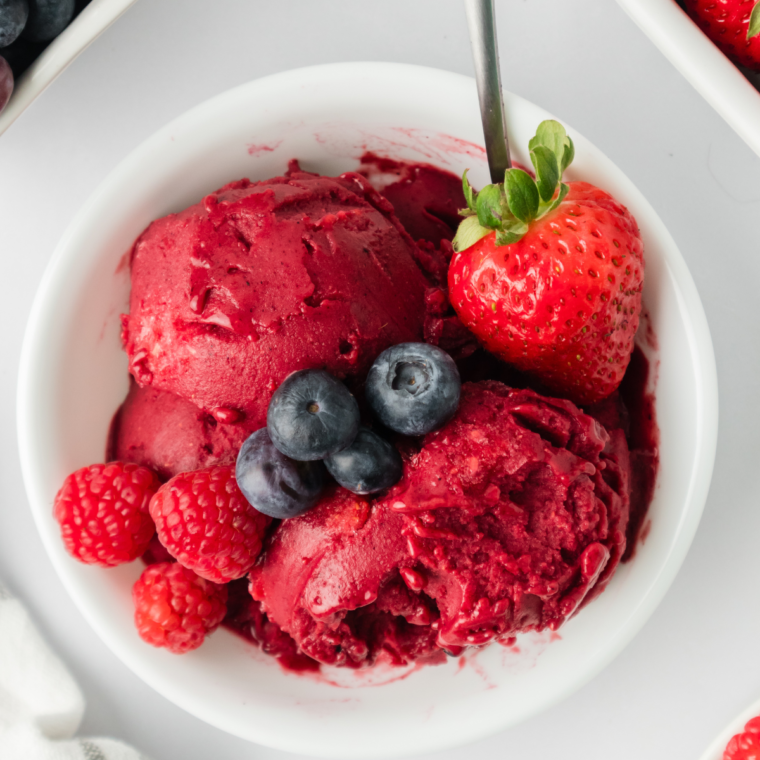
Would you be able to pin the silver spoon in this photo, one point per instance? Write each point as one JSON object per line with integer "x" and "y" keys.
{"x": 482, "y": 24}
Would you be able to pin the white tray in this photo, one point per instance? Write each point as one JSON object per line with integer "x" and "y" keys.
{"x": 724, "y": 86}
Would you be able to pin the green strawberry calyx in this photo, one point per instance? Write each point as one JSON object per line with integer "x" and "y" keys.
{"x": 754, "y": 22}
{"x": 509, "y": 208}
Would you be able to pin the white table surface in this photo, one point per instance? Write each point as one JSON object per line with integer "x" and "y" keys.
{"x": 697, "y": 661}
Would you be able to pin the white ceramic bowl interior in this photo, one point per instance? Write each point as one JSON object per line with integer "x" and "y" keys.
{"x": 94, "y": 19}
{"x": 74, "y": 376}
{"x": 711, "y": 73}
{"x": 736, "y": 726}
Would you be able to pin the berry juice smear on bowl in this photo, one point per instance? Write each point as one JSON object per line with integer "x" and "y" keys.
{"x": 75, "y": 375}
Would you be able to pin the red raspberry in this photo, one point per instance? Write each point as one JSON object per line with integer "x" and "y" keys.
{"x": 207, "y": 524}
{"x": 746, "y": 745}
{"x": 103, "y": 512}
{"x": 175, "y": 608}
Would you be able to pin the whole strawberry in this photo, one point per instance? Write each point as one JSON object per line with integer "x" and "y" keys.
{"x": 549, "y": 275}
{"x": 733, "y": 25}
{"x": 206, "y": 523}
{"x": 103, "y": 512}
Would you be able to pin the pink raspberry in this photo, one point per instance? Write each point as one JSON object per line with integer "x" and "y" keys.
{"x": 175, "y": 608}
{"x": 207, "y": 524}
{"x": 103, "y": 512}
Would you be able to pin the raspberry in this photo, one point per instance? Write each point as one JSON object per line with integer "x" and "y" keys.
{"x": 103, "y": 512}
{"x": 175, "y": 608}
{"x": 746, "y": 745}
{"x": 207, "y": 524}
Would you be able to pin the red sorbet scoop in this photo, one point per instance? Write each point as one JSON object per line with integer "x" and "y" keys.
{"x": 508, "y": 519}
{"x": 260, "y": 279}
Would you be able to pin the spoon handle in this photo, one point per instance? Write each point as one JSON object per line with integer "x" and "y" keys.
{"x": 482, "y": 24}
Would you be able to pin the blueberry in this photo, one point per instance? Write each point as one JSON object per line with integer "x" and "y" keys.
{"x": 312, "y": 415}
{"x": 368, "y": 465}
{"x": 6, "y": 82}
{"x": 47, "y": 19}
{"x": 272, "y": 483}
{"x": 413, "y": 388}
{"x": 13, "y": 16}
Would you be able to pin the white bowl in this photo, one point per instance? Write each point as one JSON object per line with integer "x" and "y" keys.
{"x": 736, "y": 726}
{"x": 711, "y": 73}
{"x": 74, "y": 376}
{"x": 94, "y": 19}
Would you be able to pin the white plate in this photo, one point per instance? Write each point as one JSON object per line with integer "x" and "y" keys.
{"x": 736, "y": 726}
{"x": 74, "y": 375}
{"x": 718, "y": 80}
{"x": 94, "y": 19}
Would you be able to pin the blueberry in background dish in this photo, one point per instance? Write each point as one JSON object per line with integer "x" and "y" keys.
{"x": 274, "y": 484}
{"x": 27, "y": 27}
{"x": 413, "y": 388}
{"x": 13, "y": 17}
{"x": 368, "y": 465}
{"x": 312, "y": 415}
{"x": 47, "y": 19}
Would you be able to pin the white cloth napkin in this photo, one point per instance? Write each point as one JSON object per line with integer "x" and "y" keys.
{"x": 41, "y": 705}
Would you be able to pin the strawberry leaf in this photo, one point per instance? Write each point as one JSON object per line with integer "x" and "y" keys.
{"x": 754, "y": 22}
{"x": 489, "y": 205}
{"x": 468, "y": 233}
{"x": 545, "y": 207}
{"x": 563, "y": 191}
{"x": 522, "y": 195}
{"x": 469, "y": 193}
{"x": 547, "y": 171}
{"x": 511, "y": 233}
{"x": 568, "y": 154}
{"x": 510, "y": 208}
{"x": 551, "y": 134}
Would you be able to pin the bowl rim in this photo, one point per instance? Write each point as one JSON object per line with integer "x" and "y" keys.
{"x": 83, "y": 30}
{"x": 694, "y": 499}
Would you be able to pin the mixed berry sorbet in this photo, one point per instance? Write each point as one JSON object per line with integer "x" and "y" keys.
{"x": 508, "y": 519}
{"x": 261, "y": 279}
